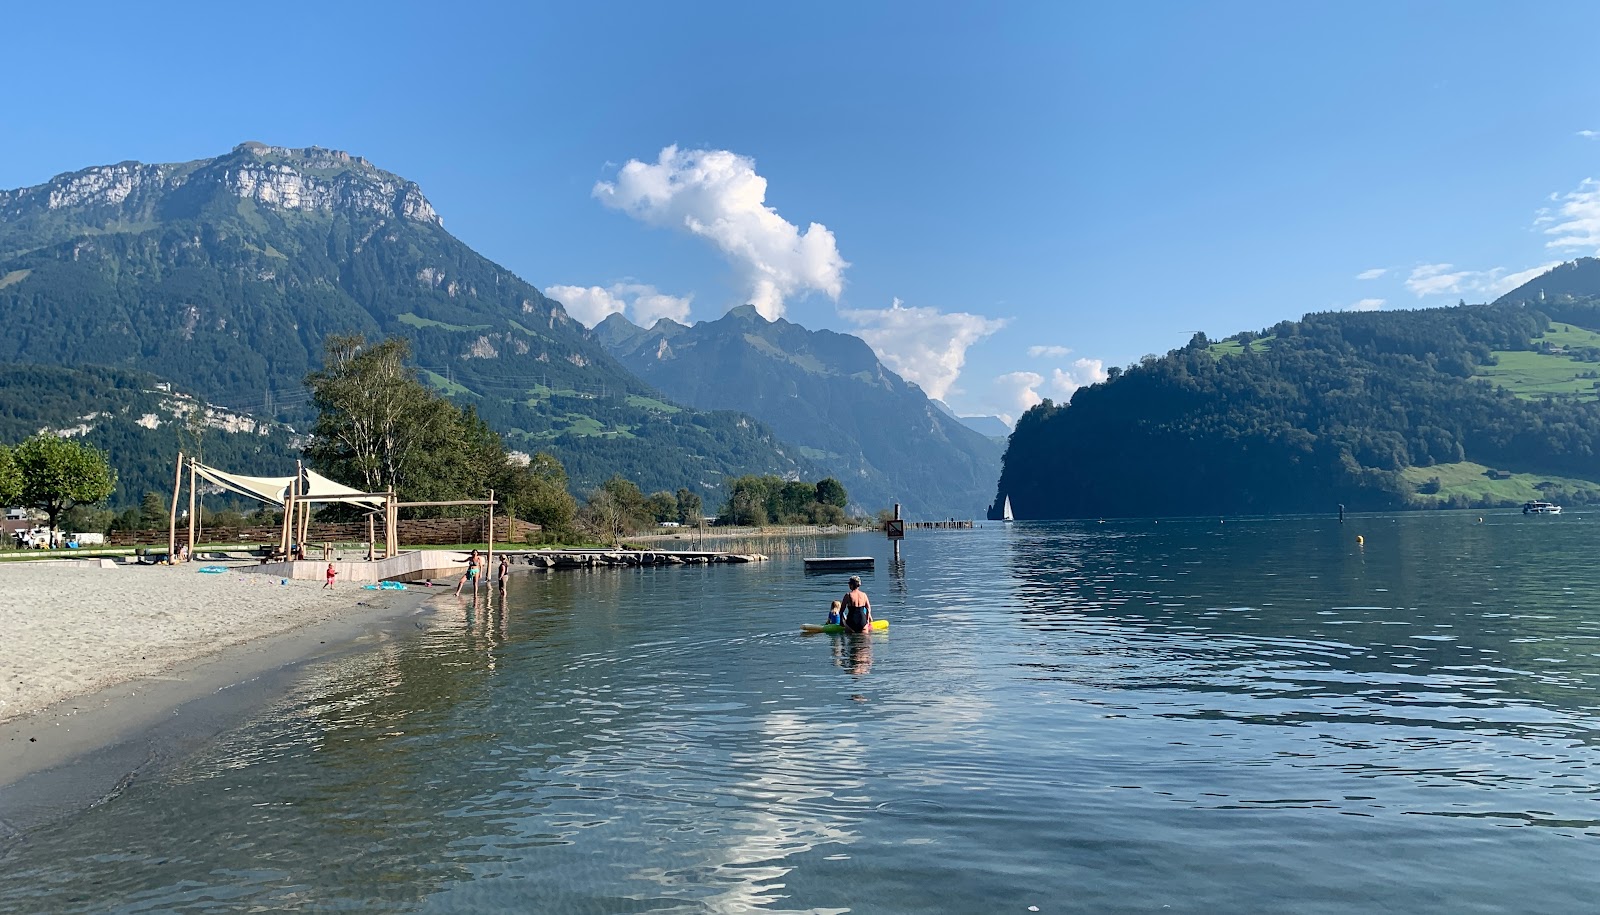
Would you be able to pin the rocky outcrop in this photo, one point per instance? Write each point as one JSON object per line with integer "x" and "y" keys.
{"x": 313, "y": 178}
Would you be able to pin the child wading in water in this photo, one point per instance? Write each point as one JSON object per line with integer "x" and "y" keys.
{"x": 833, "y": 614}
{"x": 332, "y": 574}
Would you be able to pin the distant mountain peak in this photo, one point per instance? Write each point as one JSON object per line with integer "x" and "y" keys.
{"x": 279, "y": 177}
{"x": 746, "y": 313}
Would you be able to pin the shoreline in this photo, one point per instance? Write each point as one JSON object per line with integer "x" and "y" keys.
{"x": 138, "y": 667}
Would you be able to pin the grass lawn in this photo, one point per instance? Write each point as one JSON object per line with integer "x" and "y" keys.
{"x": 1234, "y": 347}
{"x": 1531, "y": 376}
{"x": 1472, "y": 481}
{"x": 417, "y": 321}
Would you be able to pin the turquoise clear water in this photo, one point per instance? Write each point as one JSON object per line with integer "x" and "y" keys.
{"x": 1254, "y": 716}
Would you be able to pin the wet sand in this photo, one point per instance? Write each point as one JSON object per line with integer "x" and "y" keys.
{"x": 104, "y": 670}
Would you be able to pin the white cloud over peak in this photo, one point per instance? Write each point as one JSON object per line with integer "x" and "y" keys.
{"x": 641, "y": 303}
{"x": 1017, "y": 391}
{"x": 717, "y": 195}
{"x": 1366, "y": 305}
{"x": 1037, "y": 351}
{"x": 923, "y": 345}
{"x": 1436, "y": 279}
{"x": 1372, "y": 274}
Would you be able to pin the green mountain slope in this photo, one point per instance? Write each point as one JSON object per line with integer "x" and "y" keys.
{"x": 1335, "y": 408}
{"x": 225, "y": 275}
{"x": 826, "y": 392}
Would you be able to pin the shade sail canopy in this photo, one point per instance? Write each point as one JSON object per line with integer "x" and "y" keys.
{"x": 321, "y": 489}
{"x": 266, "y": 489}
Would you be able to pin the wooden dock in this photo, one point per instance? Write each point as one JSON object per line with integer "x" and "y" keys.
{"x": 951, "y": 525}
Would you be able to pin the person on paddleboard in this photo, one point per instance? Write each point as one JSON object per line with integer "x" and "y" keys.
{"x": 833, "y": 614}
{"x": 856, "y": 607}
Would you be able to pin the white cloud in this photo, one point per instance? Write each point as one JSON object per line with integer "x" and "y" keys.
{"x": 1589, "y": 134}
{"x": 641, "y": 303}
{"x": 1057, "y": 351}
{"x": 1576, "y": 220}
{"x": 1083, "y": 372}
{"x": 1436, "y": 279}
{"x": 717, "y": 195}
{"x": 1017, "y": 391}
{"x": 1372, "y": 274}
{"x": 1366, "y": 305}
{"x": 924, "y": 345}
{"x": 588, "y": 305}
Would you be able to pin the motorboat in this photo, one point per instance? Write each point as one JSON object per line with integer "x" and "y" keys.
{"x": 1540, "y": 508}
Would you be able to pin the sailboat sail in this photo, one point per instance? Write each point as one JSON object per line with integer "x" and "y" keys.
{"x": 1005, "y": 514}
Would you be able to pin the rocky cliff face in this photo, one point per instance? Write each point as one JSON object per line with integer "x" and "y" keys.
{"x": 313, "y": 178}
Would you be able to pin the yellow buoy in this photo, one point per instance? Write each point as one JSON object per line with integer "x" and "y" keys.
{"x": 1360, "y": 540}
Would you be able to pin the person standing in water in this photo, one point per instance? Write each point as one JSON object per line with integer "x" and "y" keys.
{"x": 856, "y": 607}
{"x": 471, "y": 573}
{"x": 505, "y": 569}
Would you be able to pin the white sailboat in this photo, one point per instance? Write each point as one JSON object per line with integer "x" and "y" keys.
{"x": 1005, "y": 513}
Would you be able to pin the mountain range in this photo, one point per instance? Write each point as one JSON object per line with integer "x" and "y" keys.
{"x": 827, "y": 393}
{"x": 223, "y": 277}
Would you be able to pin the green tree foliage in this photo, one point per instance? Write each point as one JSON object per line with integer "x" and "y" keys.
{"x": 615, "y": 510}
{"x": 1314, "y": 413}
{"x": 58, "y": 473}
{"x": 10, "y": 478}
{"x": 662, "y": 506}
{"x": 757, "y": 500}
{"x": 831, "y": 492}
{"x": 538, "y": 493}
{"x": 689, "y": 507}
{"x": 154, "y": 511}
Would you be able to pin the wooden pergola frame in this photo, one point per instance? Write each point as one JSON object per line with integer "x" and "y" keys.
{"x": 297, "y": 513}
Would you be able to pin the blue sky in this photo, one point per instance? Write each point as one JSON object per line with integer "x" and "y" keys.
{"x": 1007, "y": 198}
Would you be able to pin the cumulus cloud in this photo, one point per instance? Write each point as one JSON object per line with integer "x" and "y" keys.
{"x": 1435, "y": 279}
{"x": 717, "y": 195}
{"x": 1589, "y": 134}
{"x": 641, "y": 303}
{"x": 923, "y": 345}
{"x": 1372, "y": 274}
{"x": 1057, "y": 351}
{"x": 1017, "y": 391}
{"x": 1365, "y": 305}
{"x": 1081, "y": 373}
{"x": 1575, "y": 221}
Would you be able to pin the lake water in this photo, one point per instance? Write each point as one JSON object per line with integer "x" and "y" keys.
{"x": 1250, "y": 716}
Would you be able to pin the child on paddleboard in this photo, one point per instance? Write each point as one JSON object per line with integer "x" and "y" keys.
{"x": 833, "y": 614}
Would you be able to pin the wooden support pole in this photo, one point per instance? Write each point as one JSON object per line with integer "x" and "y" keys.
{"x": 193, "y": 511}
{"x": 392, "y": 518}
{"x": 489, "y": 564}
{"x": 172, "y": 522}
{"x": 372, "y": 536}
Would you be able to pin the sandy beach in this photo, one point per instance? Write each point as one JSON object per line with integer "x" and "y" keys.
{"x": 90, "y": 656}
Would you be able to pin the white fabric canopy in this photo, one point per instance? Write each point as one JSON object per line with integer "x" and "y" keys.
{"x": 267, "y": 489}
{"x": 321, "y": 489}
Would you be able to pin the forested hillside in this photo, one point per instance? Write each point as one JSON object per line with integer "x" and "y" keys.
{"x": 1338, "y": 408}
{"x": 225, "y": 275}
{"x": 139, "y": 427}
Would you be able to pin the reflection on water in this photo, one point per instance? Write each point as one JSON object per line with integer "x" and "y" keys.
{"x": 1256, "y": 716}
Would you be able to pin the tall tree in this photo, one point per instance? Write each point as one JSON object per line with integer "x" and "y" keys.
{"x": 376, "y": 420}
{"x": 58, "y": 473}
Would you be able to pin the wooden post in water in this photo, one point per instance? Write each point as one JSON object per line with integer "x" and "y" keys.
{"x": 489, "y": 563}
{"x": 372, "y": 536}
{"x": 172, "y": 521}
{"x": 897, "y": 539}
